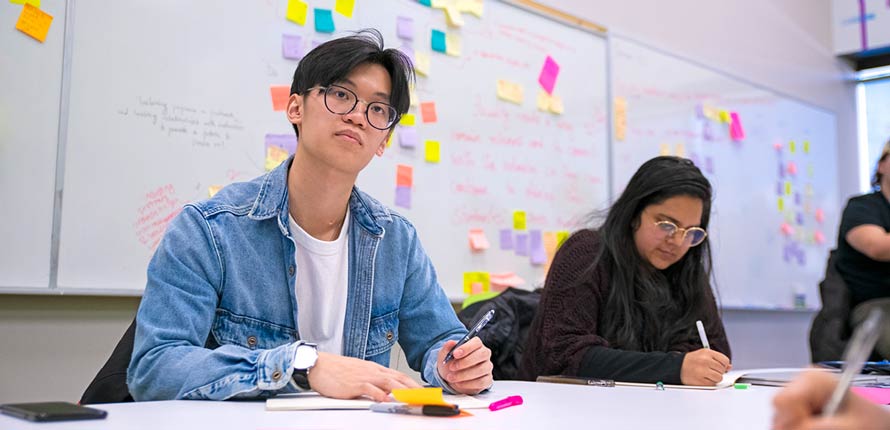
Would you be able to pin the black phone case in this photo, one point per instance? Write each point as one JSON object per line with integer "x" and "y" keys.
{"x": 52, "y": 411}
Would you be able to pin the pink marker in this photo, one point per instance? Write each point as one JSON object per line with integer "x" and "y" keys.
{"x": 505, "y": 403}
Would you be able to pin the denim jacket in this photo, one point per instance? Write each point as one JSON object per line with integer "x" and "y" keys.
{"x": 218, "y": 318}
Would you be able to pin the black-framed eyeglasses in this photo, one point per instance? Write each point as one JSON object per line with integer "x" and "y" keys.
{"x": 341, "y": 101}
{"x": 692, "y": 236}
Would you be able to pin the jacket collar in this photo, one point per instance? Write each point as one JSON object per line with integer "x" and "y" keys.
{"x": 271, "y": 201}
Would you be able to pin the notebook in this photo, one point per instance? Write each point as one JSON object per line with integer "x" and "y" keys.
{"x": 312, "y": 401}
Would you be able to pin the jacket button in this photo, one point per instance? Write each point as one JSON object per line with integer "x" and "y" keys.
{"x": 276, "y": 375}
{"x": 291, "y": 270}
{"x": 251, "y": 341}
{"x": 389, "y": 335}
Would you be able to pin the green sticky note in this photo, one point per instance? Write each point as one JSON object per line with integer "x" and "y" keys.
{"x": 437, "y": 41}
{"x": 324, "y": 21}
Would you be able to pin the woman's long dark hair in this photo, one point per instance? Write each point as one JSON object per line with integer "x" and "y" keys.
{"x": 649, "y": 309}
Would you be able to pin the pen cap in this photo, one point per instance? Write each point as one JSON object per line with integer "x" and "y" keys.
{"x": 505, "y": 403}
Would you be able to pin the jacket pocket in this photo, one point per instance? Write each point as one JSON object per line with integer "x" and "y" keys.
{"x": 383, "y": 333}
{"x": 251, "y": 333}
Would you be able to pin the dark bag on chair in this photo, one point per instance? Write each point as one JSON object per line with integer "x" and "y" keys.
{"x": 110, "y": 384}
{"x": 831, "y": 330}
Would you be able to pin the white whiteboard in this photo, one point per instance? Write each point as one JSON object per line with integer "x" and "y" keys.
{"x": 31, "y": 73}
{"x": 756, "y": 265}
{"x": 170, "y": 97}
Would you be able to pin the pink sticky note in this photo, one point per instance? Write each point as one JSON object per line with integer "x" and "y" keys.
{"x": 408, "y": 137}
{"x": 548, "y": 75}
{"x": 404, "y": 175}
{"x": 736, "y": 132}
{"x": 506, "y": 279}
{"x": 877, "y": 395}
{"x": 819, "y": 237}
{"x": 820, "y": 215}
{"x": 792, "y": 168}
{"x": 787, "y": 229}
{"x": 428, "y": 112}
{"x": 478, "y": 241}
{"x": 292, "y": 46}
{"x": 778, "y": 146}
{"x": 506, "y": 239}
{"x": 403, "y": 197}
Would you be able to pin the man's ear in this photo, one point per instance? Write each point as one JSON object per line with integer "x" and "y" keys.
{"x": 295, "y": 109}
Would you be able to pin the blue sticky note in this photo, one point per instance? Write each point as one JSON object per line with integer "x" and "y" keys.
{"x": 408, "y": 137}
{"x": 292, "y": 46}
{"x": 324, "y": 21}
{"x": 506, "y": 239}
{"x": 437, "y": 41}
{"x": 403, "y": 197}
{"x": 428, "y": 3}
{"x": 405, "y": 27}
{"x": 521, "y": 244}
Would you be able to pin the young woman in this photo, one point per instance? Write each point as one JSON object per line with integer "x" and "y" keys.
{"x": 621, "y": 302}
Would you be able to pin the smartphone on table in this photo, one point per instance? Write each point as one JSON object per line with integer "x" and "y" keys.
{"x": 52, "y": 411}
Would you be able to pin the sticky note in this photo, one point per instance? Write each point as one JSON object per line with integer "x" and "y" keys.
{"x": 344, "y": 7}
{"x": 509, "y": 91}
{"x": 781, "y": 204}
{"x": 452, "y": 45}
{"x": 550, "y": 243}
{"x": 561, "y": 237}
{"x": 537, "y": 255}
{"x": 478, "y": 241}
{"x": 437, "y": 41}
{"x": 788, "y": 188}
{"x": 404, "y": 175}
{"x": 420, "y": 396}
{"x": 408, "y": 51}
{"x": 736, "y": 131}
{"x": 389, "y": 139}
{"x": 477, "y": 282}
{"x": 292, "y": 46}
{"x": 428, "y": 112}
{"x": 473, "y": 7}
{"x": 405, "y": 27}
{"x": 280, "y": 95}
{"x": 403, "y": 197}
{"x": 274, "y": 157}
{"x": 707, "y": 131}
{"x": 521, "y": 247}
{"x": 412, "y": 95}
{"x": 213, "y": 189}
{"x": 506, "y": 279}
{"x": 422, "y": 63}
{"x": 556, "y": 105}
{"x": 452, "y": 16}
{"x": 287, "y": 142}
{"x": 425, "y": 2}
{"x": 407, "y": 120}
{"x": 34, "y": 22}
{"x": 799, "y": 218}
{"x": 431, "y": 151}
{"x": 680, "y": 150}
{"x": 709, "y": 165}
{"x": 506, "y": 236}
{"x": 35, "y": 3}
{"x": 543, "y": 101}
{"x": 519, "y": 218}
{"x": 620, "y": 121}
{"x": 324, "y": 21}
{"x": 786, "y": 229}
{"x": 549, "y": 103}
{"x": 806, "y": 146}
{"x": 549, "y": 72}
{"x": 408, "y": 137}
{"x": 792, "y": 168}
{"x": 724, "y": 116}
{"x": 664, "y": 149}
{"x": 820, "y": 215}
{"x": 297, "y": 11}
{"x": 791, "y": 146}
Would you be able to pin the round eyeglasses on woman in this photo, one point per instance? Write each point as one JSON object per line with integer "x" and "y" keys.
{"x": 692, "y": 236}
{"x": 341, "y": 101}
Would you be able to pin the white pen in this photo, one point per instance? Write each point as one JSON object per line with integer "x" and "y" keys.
{"x": 702, "y": 335}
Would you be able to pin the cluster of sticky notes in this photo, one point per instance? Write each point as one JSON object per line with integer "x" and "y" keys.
{"x": 278, "y": 148}
{"x": 432, "y": 152}
{"x": 509, "y": 91}
{"x": 619, "y": 105}
{"x": 478, "y": 240}
{"x": 404, "y": 185}
{"x": 477, "y": 282}
{"x": 736, "y": 132}
{"x": 34, "y": 22}
{"x": 539, "y": 246}
{"x": 550, "y": 103}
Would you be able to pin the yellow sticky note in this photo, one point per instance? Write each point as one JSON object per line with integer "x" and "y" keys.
{"x": 344, "y": 7}
{"x": 453, "y": 17}
{"x": 452, "y": 45}
{"x": 543, "y": 101}
{"x": 477, "y": 282}
{"x": 620, "y": 107}
{"x": 788, "y": 188}
{"x": 556, "y": 105}
{"x": 275, "y": 156}
{"x": 422, "y": 63}
{"x": 561, "y": 237}
{"x": 724, "y": 116}
{"x": 412, "y": 95}
{"x": 791, "y": 146}
{"x": 420, "y": 396}
{"x": 35, "y": 3}
{"x": 431, "y": 150}
{"x": 680, "y": 150}
{"x": 664, "y": 149}
{"x": 34, "y": 22}
{"x": 806, "y": 146}
{"x": 509, "y": 91}
{"x": 296, "y": 11}
{"x": 389, "y": 140}
{"x": 519, "y": 220}
{"x": 473, "y": 7}
{"x": 213, "y": 189}
{"x": 809, "y": 170}
{"x": 408, "y": 120}
{"x": 781, "y": 204}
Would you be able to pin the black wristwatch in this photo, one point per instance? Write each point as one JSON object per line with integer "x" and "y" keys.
{"x": 304, "y": 358}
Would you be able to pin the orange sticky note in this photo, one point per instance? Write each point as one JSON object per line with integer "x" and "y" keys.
{"x": 420, "y": 396}
{"x": 297, "y": 11}
{"x": 428, "y": 112}
{"x": 404, "y": 175}
{"x": 478, "y": 241}
{"x": 34, "y": 22}
{"x": 280, "y": 95}
{"x": 432, "y": 154}
{"x": 344, "y": 7}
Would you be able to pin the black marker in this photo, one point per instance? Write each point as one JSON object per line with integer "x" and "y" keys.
{"x": 471, "y": 334}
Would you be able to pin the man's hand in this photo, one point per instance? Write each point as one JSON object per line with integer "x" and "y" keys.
{"x": 470, "y": 370}
{"x": 348, "y": 378}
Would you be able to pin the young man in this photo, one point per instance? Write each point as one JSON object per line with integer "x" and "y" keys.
{"x": 297, "y": 280}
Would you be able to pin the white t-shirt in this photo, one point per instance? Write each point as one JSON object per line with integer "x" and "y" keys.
{"x": 321, "y": 287}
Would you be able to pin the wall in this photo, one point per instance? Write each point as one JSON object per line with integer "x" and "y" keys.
{"x": 53, "y": 346}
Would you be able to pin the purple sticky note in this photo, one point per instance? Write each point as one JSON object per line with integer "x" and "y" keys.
{"x": 506, "y": 239}
{"x": 709, "y": 165}
{"x": 799, "y": 218}
{"x": 292, "y": 46}
{"x": 409, "y": 51}
{"x": 700, "y": 111}
{"x": 408, "y": 137}
{"x": 781, "y": 170}
{"x": 405, "y": 27}
{"x": 316, "y": 42}
{"x": 287, "y": 142}
{"x": 548, "y": 75}
{"x": 536, "y": 247}
{"x": 522, "y": 244}
{"x": 780, "y": 188}
{"x": 403, "y": 197}
{"x": 706, "y": 131}
{"x": 797, "y": 198}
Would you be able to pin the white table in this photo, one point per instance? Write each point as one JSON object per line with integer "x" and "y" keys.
{"x": 546, "y": 406}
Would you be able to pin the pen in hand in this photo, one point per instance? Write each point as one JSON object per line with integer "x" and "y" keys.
{"x": 702, "y": 335}
{"x": 470, "y": 334}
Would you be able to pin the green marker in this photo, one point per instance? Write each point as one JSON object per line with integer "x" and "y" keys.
{"x": 659, "y": 386}
{"x": 741, "y": 386}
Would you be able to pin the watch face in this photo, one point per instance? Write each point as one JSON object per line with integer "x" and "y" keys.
{"x": 305, "y": 357}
